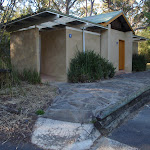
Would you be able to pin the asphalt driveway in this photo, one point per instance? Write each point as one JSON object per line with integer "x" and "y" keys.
{"x": 136, "y": 131}
{"x": 21, "y": 146}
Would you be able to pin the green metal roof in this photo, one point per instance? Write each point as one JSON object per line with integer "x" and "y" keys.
{"x": 102, "y": 17}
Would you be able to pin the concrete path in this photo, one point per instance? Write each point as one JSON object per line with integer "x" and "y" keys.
{"x": 136, "y": 131}
{"x": 59, "y": 135}
{"x": 80, "y": 103}
{"x": 68, "y": 122}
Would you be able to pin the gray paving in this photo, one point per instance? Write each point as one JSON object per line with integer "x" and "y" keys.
{"x": 136, "y": 131}
{"x": 81, "y": 103}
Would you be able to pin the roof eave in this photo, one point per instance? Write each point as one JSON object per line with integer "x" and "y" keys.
{"x": 139, "y": 38}
{"x": 59, "y": 14}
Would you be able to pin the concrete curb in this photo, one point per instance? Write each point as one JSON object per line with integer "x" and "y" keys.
{"x": 112, "y": 108}
{"x": 111, "y": 121}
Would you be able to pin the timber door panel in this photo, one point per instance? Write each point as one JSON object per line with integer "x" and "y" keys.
{"x": 121, "y": 54}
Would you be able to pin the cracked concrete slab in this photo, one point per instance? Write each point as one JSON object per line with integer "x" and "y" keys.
{"x": 60, "y": 135}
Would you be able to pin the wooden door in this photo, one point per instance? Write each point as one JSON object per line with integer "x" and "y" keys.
{"x": 121, "y": 54}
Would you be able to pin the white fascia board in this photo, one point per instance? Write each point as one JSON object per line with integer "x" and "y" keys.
{"x": 44, "y": 25}
{"x": 80, "y": 30}
{"x": 31, "y": 27}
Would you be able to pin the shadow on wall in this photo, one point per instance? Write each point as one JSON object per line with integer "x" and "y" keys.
{"x": 23, "y": 49}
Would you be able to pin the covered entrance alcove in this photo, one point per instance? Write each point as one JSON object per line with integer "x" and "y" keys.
{"x": 53, "y": 55}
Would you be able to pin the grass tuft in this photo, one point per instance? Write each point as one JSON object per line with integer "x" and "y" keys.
{"x": 40, "y": 112}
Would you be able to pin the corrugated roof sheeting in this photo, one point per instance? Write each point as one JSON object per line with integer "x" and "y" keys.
{"x": 102, "y": 17}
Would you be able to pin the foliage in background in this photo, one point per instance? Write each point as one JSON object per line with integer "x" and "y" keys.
{"x": 89, "y": 67}
{"x": 144, "y": 46}
{"x": 80, "y": 9}
{"x": 138, "y": 62}
{"x": 6, "y": 9}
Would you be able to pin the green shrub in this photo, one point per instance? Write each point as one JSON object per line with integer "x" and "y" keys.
{"x": 40, "y": 112}
{"x": 89, "y": 67}
{"x": 138, "y": 62}
{"x": 144, "y": 46}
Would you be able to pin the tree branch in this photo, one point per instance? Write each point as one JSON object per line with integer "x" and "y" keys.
{"x": 92, "y": 4}
{"x": 72, "y": 4}
{"x": 140, "y": 28}
{"x": 56, "y": 6}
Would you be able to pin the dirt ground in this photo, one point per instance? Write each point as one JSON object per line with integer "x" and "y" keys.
{"x": 18, "y": 107}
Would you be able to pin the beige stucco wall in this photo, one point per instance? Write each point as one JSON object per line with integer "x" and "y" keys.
{"x": 75, "y": 43}
{"x": 53, "y": 54}
{"x": 104, "y": 44}
{"x": 128, "y": 51}
{"x": 24, "y": 49}
{"x": 113, "y": 48}
{"x": 135, "y": 48}
{"x": 92, "y": 42}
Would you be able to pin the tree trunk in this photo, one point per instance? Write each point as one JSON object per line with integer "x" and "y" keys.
{"x": 67, "y": 10}
{"x": 86, "y": 8}
{"x": 67, "y": 7}
{"x": 49, "y": 4}
{"x": 92, "y": 4}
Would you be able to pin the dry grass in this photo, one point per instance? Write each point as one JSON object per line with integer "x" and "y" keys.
{"x": 27, "y": 99}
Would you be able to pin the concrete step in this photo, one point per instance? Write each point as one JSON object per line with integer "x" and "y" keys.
{"x": 60, "y": 135}
{"x": 69, "y": 115}
{"x": 110, "y": 122}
